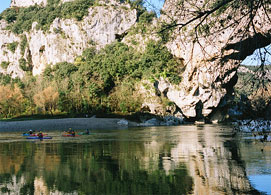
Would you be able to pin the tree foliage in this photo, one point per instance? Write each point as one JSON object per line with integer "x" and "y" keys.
{"x": 47, "y": 99}
{"x": 96, "y": 79}
{"x": 11, "y": 101}
{"x": 20, "y": 19}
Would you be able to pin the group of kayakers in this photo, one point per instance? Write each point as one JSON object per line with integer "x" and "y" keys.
{"x": 39, "y": 134}
{"x": 70, "y": 132}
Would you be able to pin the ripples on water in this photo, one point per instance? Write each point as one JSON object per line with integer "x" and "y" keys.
{"x": 203, "y": 159}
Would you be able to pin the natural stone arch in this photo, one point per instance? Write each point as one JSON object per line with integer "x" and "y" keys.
{"x": 212, "y": 57}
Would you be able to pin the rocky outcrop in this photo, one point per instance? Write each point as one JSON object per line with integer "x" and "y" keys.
{"x": 6, "y": 55}
{"x": 66, "y": 39}
{"x": 27, "y": 3}
{"x": 212, "y": 58}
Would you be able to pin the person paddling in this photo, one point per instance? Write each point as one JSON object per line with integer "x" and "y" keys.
{"x": 40, "y": 135}
{"x": 73, "y": 133}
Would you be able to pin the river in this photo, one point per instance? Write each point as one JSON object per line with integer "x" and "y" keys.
{"x": 188, "y": 159}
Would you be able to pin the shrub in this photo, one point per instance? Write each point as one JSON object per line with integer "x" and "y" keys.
{"x": 23, "y": 44}
{"x": 4, "y": 65}
{"x": 76, "y": 9}
{"x": 10, "y": 15}
{"x": 146, "y": 17}
{"x": 23, "y": 64}
{"x": 5, "y": 79}
{"x": 12, "y": 46}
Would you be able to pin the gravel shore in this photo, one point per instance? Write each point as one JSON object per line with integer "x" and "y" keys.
{"x": 63, "y": 124}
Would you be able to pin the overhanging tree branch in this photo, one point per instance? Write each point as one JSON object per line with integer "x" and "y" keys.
{"x": 204, "y": 14}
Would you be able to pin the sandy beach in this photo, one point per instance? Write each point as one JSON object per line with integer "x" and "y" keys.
{"x": 64, "y": 124}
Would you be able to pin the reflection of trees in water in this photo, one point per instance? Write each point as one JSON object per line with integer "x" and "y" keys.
{"x": 96, "y": 169}
{"x": 92, "y": 169}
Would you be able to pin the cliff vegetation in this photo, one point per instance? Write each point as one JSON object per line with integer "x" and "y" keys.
{"x": 90, "y": 56}
{"x": 98, "y": 81}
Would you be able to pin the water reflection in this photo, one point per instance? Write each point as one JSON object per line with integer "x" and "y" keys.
{"x": 257, "y": 158}
{"x": 156, "y": 160}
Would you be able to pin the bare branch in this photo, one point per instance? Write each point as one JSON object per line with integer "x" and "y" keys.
{"x": 204, "y": 14}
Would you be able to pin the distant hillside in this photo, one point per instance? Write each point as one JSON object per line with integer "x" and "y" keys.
{"x": 253, "y": 91}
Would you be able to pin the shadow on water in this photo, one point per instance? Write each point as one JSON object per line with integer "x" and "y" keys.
{"x": 153, "y": 160}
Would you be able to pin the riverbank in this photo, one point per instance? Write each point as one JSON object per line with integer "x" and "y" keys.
{"x": 64, "y": 124}
{"x": 250, "y": 125}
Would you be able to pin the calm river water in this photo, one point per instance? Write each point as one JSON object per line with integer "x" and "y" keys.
{"x": 203, "y": 159}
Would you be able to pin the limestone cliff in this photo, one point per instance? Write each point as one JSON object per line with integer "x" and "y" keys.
{"x": 209, "y": 57}
{"x": 66, "y": 38}
{"x": 212, "y": 54}
{"x": 26, "y": 3}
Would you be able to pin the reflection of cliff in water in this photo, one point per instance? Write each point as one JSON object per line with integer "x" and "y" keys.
{"x": 211, "y": 157}
{"x": 213, "y": 162}
{"x": 160, "y": 160}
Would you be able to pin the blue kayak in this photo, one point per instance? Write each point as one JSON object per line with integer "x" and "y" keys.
{"x": 36, "y": 137}
{"x": 28, "y": 134}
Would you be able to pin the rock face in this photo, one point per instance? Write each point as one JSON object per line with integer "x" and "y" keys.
{"x": 66, "y": 39}
{"x": 211, "y": 61}
{"x": 10, "y": 57}
{"x": 27, "y": 3}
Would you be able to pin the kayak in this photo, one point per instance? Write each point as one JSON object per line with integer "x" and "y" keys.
{"x": 70, "y": 135}
{"x": 36, "y": 137}
{"x": 27, "y": 134}
{"x": 83, "y": 133}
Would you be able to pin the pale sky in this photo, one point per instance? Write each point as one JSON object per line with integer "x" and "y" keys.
{"x": 4, "y": 5}
{"x": 154, "y": 5}
{"x": 255, "y": 58}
